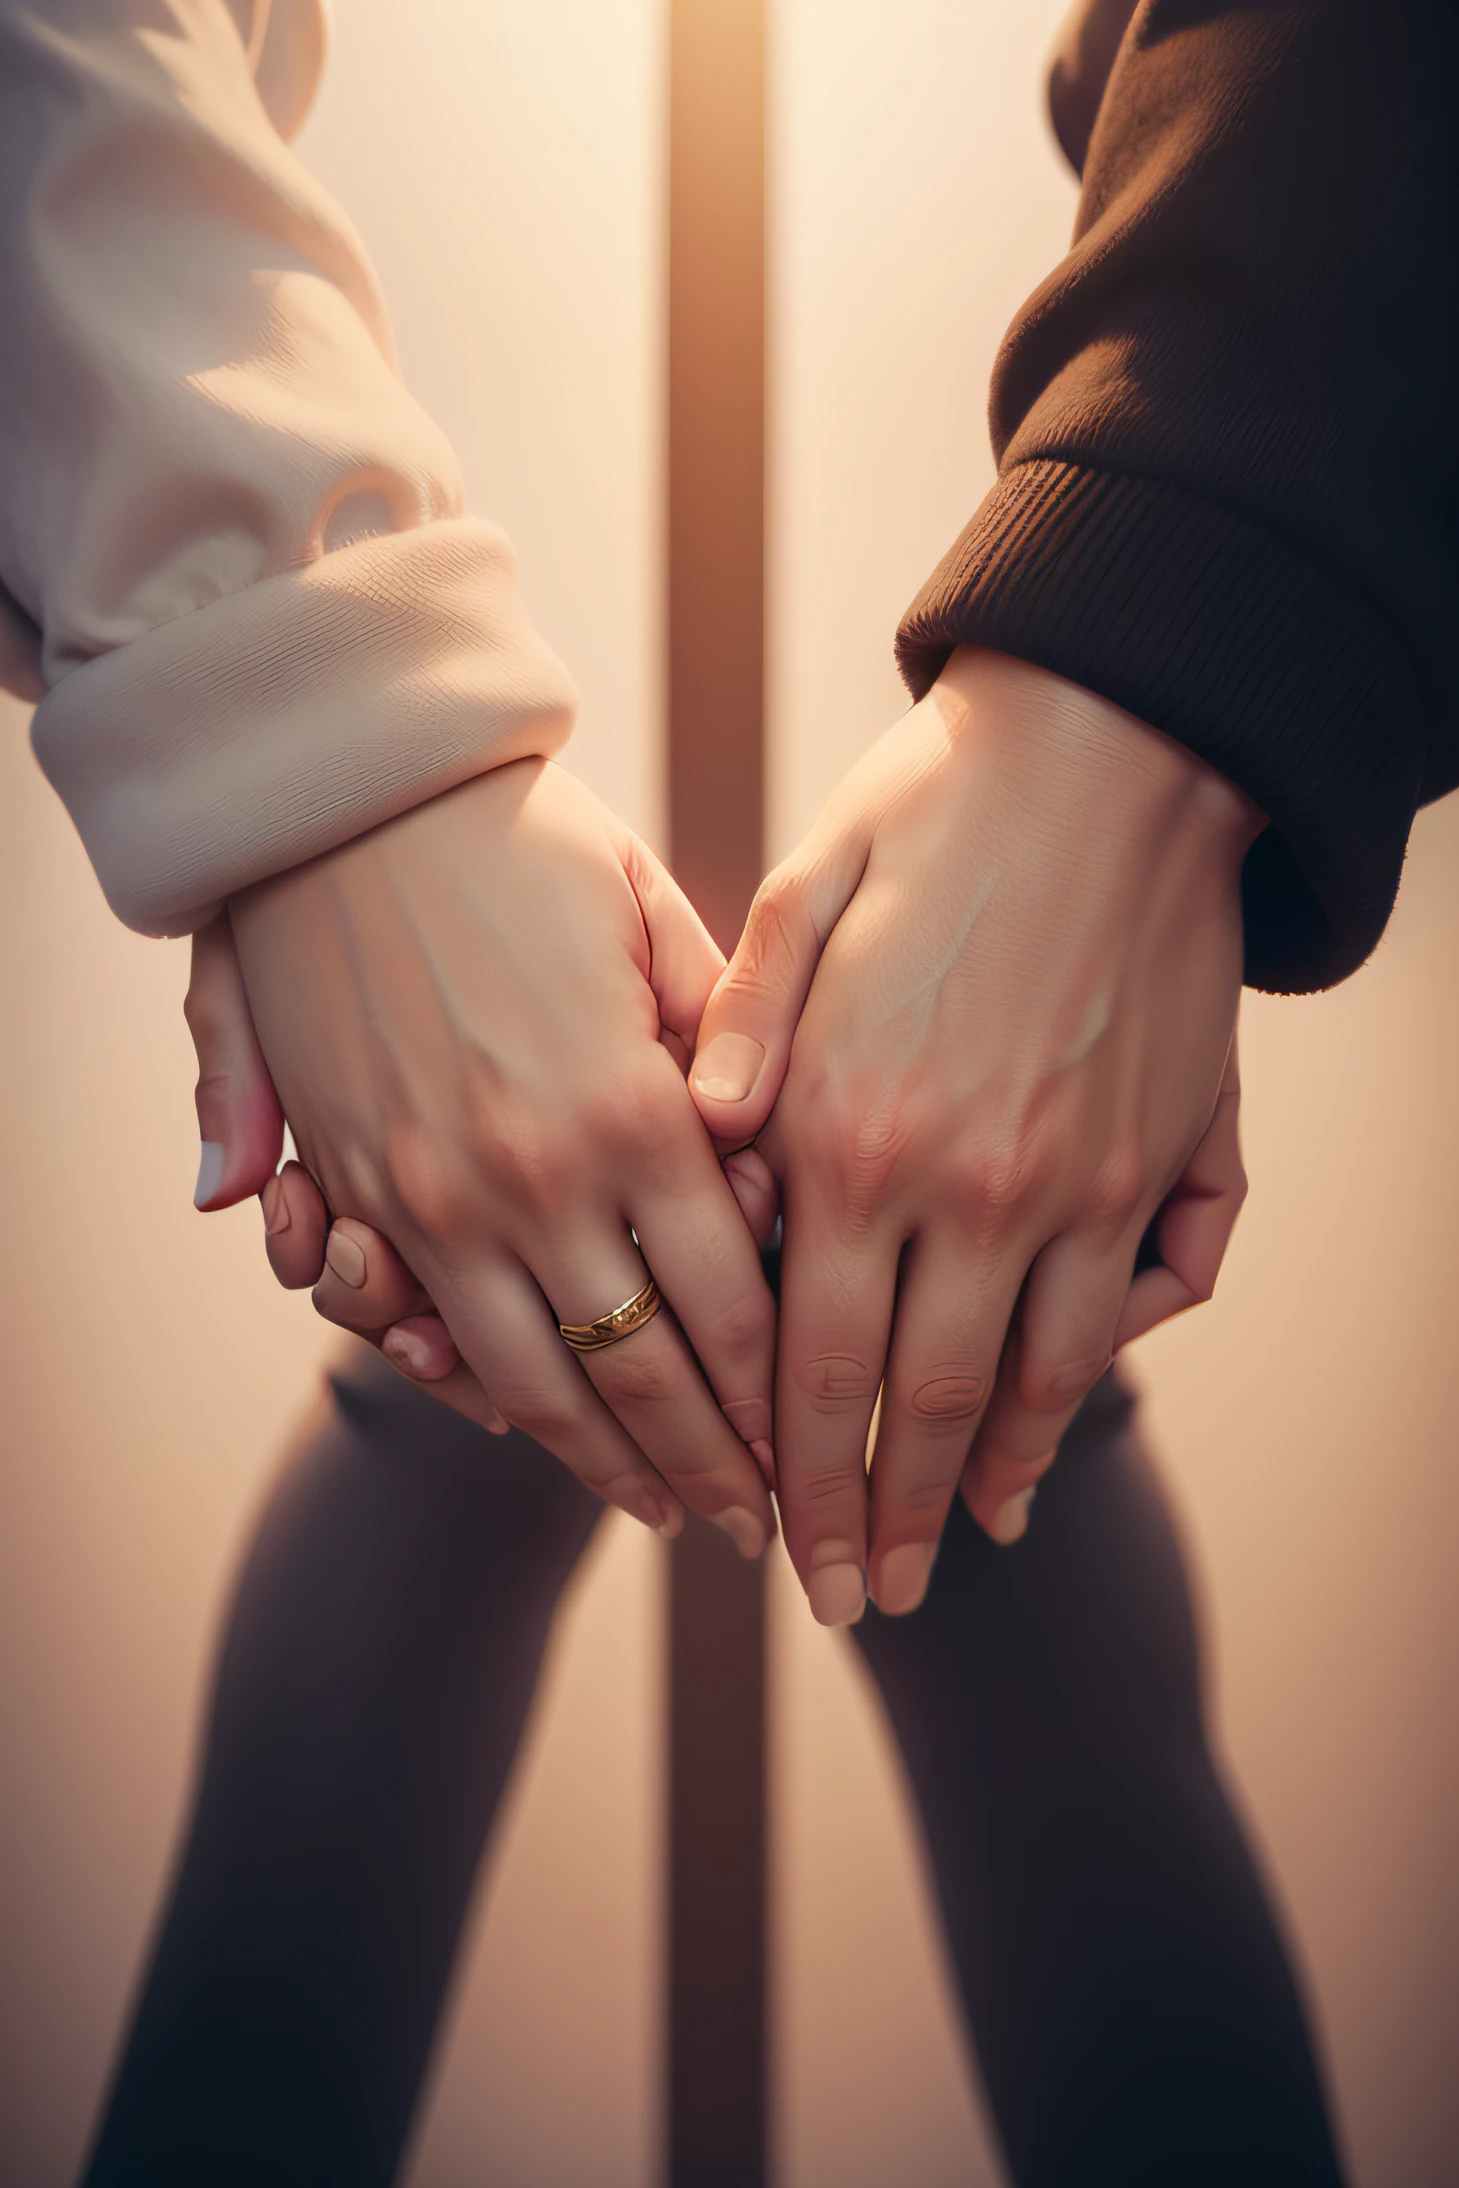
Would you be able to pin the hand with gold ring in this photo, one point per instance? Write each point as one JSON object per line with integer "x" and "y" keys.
{"x": 477, "y": 1019}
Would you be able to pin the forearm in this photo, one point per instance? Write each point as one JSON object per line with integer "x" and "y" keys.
{"x": 263, "y": 619}
{"x": 1220, "y": 423}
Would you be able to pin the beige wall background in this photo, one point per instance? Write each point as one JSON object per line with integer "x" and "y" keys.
{"x": 503, "y": 162}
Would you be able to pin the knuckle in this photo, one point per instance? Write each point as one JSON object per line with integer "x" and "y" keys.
{"x": 926, "y": 1499}
{"x": 1118, "y": 1186}
{"x": 744, "y": 1329}
{"x": 836, "y": 1382}
{"x": 950, "y": 1397}
{"x": 822, "y": 1486}
{"x": 994, "y": 1180}
{"x": 426, "y": 1179}
{"x": 532, "y": 1157}
{"x": 864, "y": 1144}
{"x": 1056, "y": 1389}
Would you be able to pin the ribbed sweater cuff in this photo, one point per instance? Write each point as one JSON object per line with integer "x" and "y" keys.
{"x": 252, "y": 734}
{"x": 1196, "y": 620}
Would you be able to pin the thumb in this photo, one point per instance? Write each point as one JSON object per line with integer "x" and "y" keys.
{"x": 239, "y": 1116}
{"x": 750, "y": 1020}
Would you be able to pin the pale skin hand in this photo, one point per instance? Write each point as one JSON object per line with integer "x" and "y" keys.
{"x": 357, "y": 1279}
{"x": 472, "y": 1017}
{"x": 991, "y": 1003}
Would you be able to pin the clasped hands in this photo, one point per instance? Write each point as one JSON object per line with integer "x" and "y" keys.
{"x": 976, "y": 1040}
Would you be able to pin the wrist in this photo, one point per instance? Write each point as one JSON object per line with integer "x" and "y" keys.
{"x": 1084, "y": 751}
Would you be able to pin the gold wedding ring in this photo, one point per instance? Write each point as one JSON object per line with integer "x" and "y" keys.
{"x": 611, "y": 1329}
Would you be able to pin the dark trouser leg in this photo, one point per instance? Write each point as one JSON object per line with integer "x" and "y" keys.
{"x": 373, "y": 1684}
{"x": 1130, "y": 2000}
{"x": 1133, "y": 2010}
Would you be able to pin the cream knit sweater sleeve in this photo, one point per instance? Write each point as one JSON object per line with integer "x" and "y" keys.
{"x": 236, "y": 570}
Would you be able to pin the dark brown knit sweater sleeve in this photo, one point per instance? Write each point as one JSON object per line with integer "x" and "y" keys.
{"x": 1228, "y": 437}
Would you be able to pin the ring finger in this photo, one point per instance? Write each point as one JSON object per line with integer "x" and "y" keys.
{"x": 507, "y": 1337}
{"x": 650, "y": 1382}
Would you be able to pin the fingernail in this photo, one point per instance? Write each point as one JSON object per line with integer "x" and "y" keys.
{"x": 727, "y": 1069}
{"x": 346, "y": 1259}
{"x": 1010, "y": 1521}
{"x": 765, "y": 1459}
{"x": 276, "y": 1212}
{"x": 211, "y": 1159}
{"x": 905, "y": 1573}
{"x": 668, "y": 1522}
{"x": 836, "y": 1590}
{"x": 402, "y": 1348}
{"x": 744, "y": 1530}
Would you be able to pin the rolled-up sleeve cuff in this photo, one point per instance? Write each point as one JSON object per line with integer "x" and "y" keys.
{"x": 1197, "y": 620}
{"x": 268, "y": 727}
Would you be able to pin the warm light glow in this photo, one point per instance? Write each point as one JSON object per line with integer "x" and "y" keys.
{"x": 504, "y": 164}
